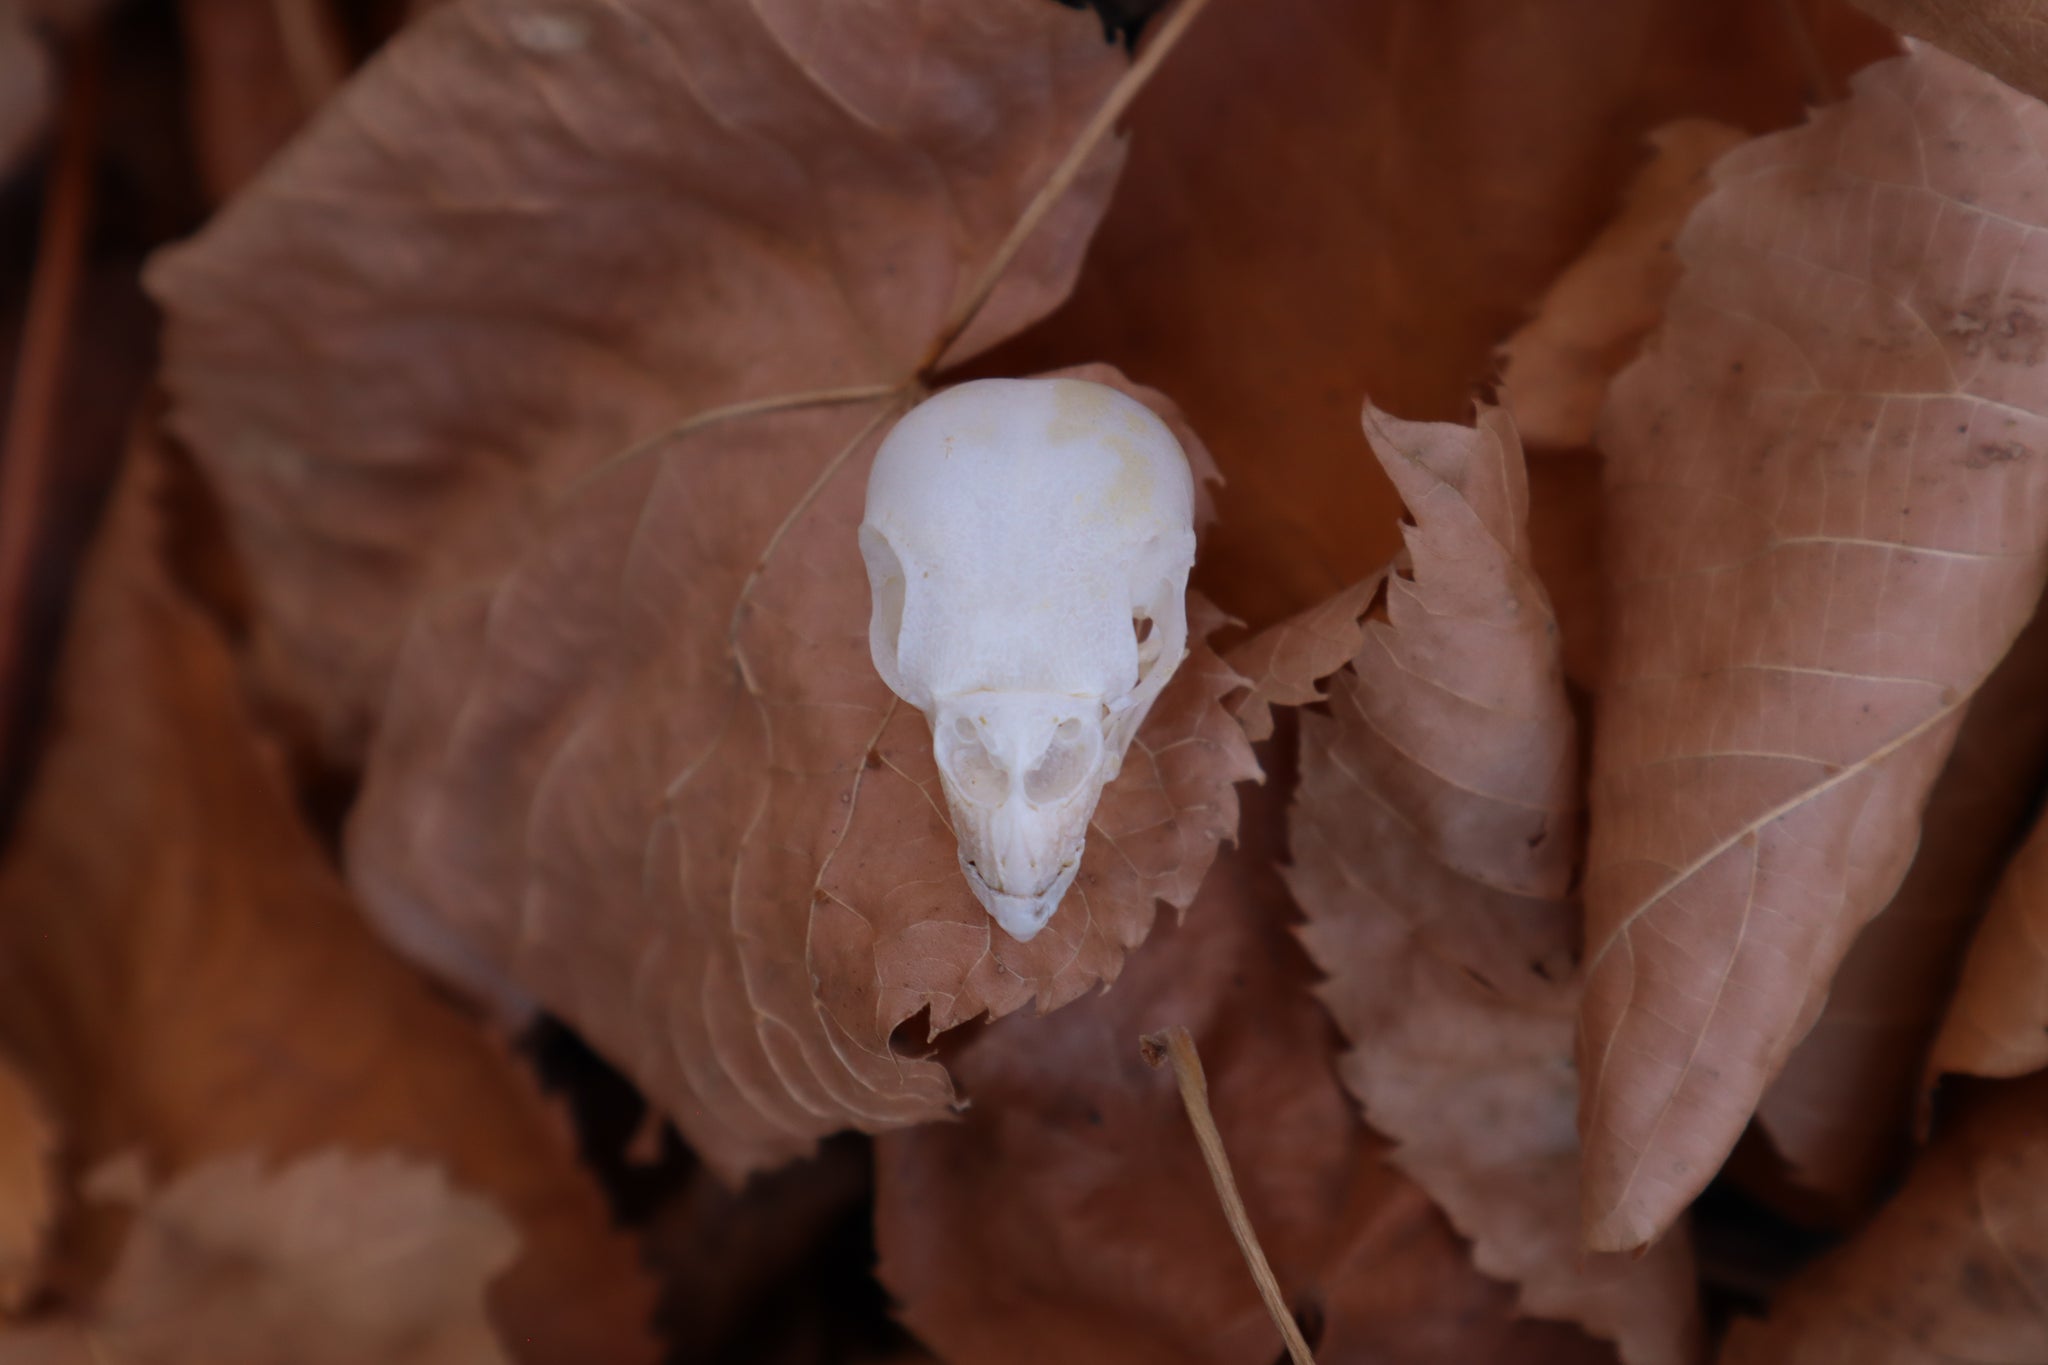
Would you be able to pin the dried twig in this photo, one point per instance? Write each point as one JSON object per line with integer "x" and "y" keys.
{"x": 1176, "y": 1045}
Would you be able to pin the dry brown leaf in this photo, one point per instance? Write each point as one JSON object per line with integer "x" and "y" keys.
{"x": 655, "y": 780}
{"x": 28, "y": 1146}
{"x": 1827, "y": 505}
{"x": 1434, "y": 840}
{"x": 1327, "y": 200}
{"x": 1567, "y": 546}
{"x": 1997, "y": 1021}
{"x": 250, "y": 84}
{"x": 1601, "y": 307}
{"x": 726, "y": 1258}
{"x": 1284, "y": 664}
{"x": 2008, "y": 38}
{"x": 25, "y": 81}
{"x": 529, "y": 236}
{"x": 332, "y": 1260}
{"x": 1954, "y": 1268}
{"x": 1068, "y": 1215}
{"x": 1841, "y": 1111}
{"x": 181, "y": 972}
{"x": 1558, "y": 366}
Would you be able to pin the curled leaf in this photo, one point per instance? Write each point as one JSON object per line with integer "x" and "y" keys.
{"x": 1434, "y": 841}
{"x": 1827, "y": 497}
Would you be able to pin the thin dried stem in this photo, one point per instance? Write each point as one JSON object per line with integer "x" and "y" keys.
{"x": 1175, "y": 1045}
{"x": 25, "y": 447}
{"x": 1063, "y": 176}
{"x": 731, "y": 412}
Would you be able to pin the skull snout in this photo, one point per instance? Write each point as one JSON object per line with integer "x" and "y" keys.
{"x": 1022, "y": 772}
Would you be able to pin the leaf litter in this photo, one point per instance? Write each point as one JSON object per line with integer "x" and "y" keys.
{"x": 535, "y": 380}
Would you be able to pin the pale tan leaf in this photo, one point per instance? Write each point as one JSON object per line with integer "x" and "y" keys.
{"x": 1827, "y": 499}
{"x": 1841, "y": 1112}
{"x": 332, "y": 1260}
{"x": 652, "y": 777}
{"x": 1598, "y": 311}
{"x": 1434, "y": 839}
{"x": 1953, "y": 1269}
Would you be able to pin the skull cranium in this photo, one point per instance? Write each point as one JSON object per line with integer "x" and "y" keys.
{"x": 1028, "y": 543}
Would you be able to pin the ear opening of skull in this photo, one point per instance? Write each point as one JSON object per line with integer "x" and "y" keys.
{"x": 1027, "y": 544}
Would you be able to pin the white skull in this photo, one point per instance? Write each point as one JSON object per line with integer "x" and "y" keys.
{"x": 1028, "y": 543}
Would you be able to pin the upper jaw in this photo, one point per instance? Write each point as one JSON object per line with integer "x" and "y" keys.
{"x": 1021, "y": 916}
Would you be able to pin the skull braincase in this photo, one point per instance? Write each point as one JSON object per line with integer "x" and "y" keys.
{"x": 1028, "y": 543}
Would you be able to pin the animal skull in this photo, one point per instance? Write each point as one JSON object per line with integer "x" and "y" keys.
{"x": 1028, "y": 543}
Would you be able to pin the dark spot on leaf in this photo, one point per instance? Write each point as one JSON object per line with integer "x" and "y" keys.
{"x": 2007, "y": 328}
{"x": 1989, "y": 453}
{"x": 1980, "y": 1285}
{"x": 1480, "y": 981}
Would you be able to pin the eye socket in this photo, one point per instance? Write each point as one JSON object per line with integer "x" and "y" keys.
{"x": 1149, "y": 641}
{"x": 974, "y": 770}
{"x": 1063, "y": 766}
{"x": 887, "y": 589}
